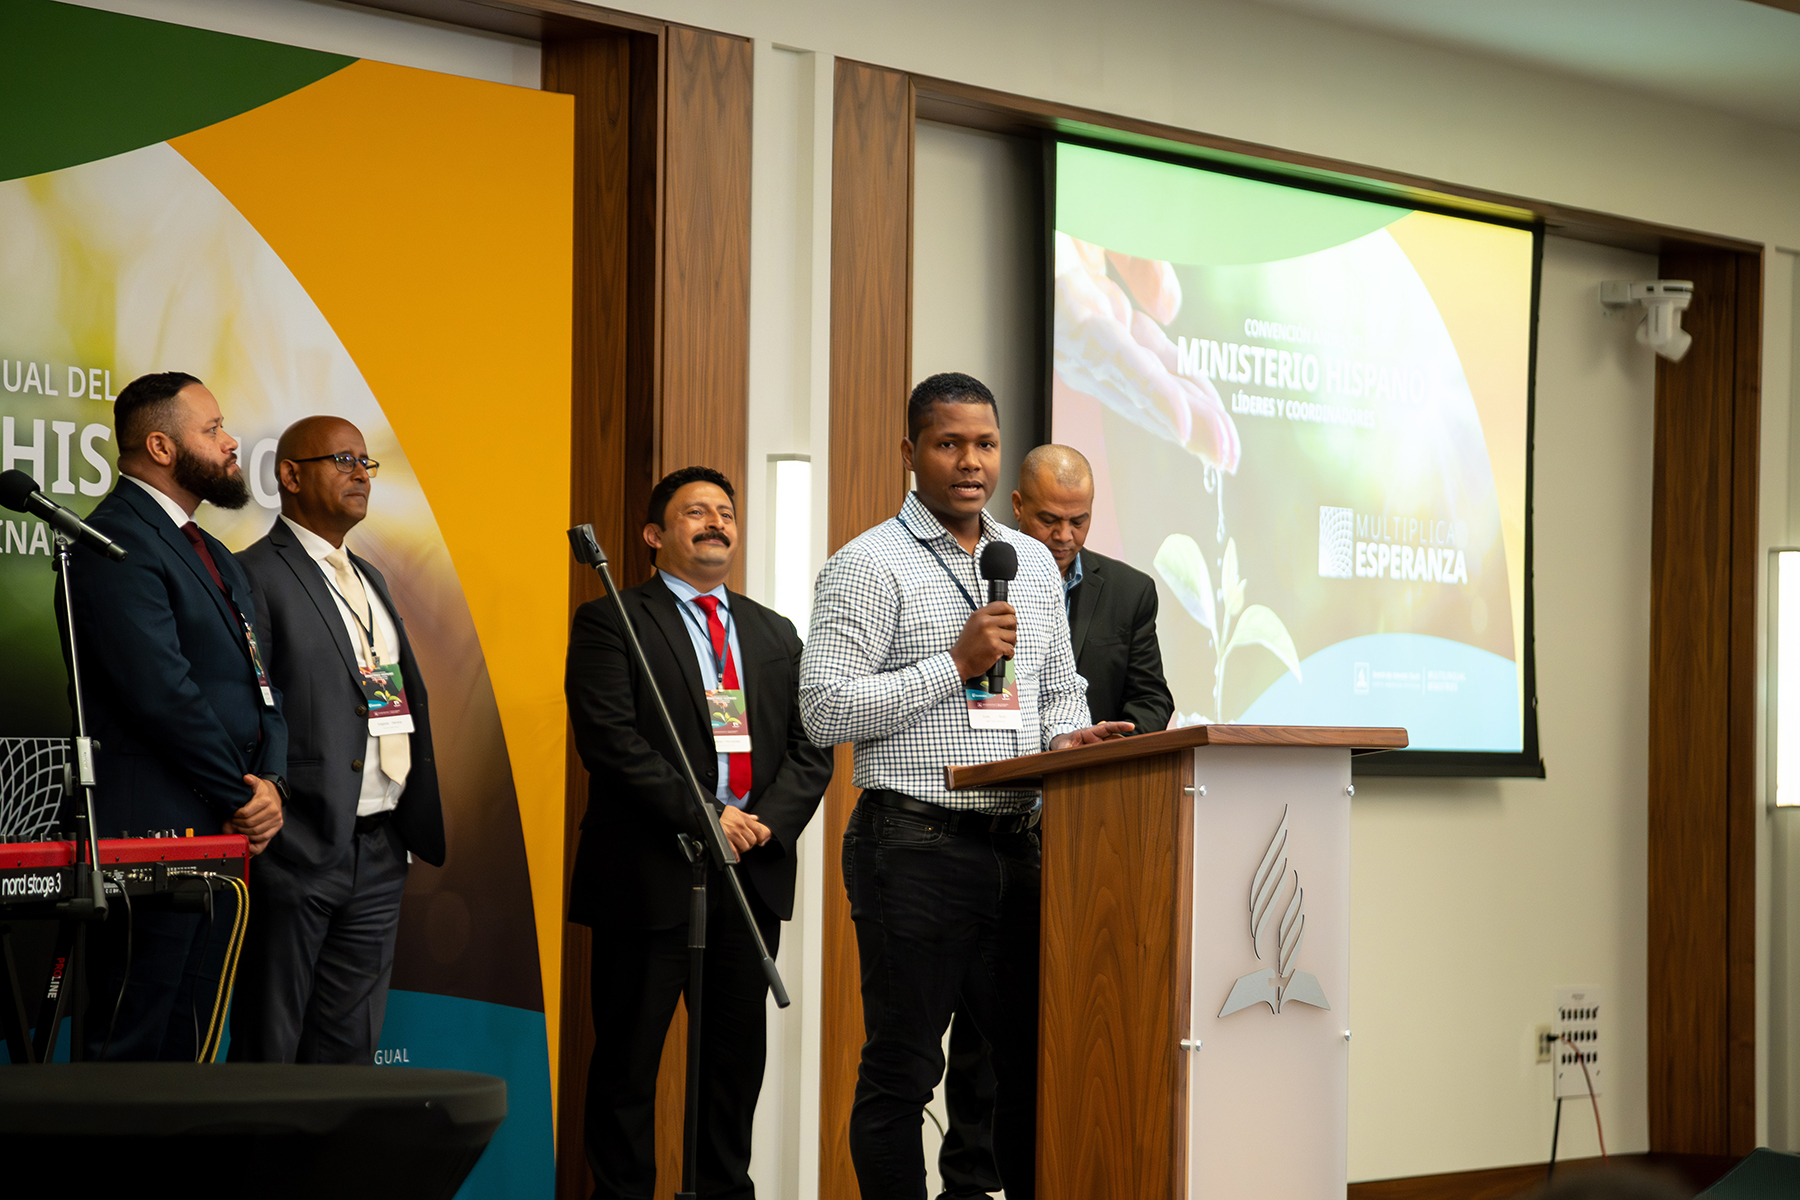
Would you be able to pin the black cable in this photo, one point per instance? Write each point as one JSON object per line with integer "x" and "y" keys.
{"x": 1555, "y": 1132}
{"x": 126, "y": 981}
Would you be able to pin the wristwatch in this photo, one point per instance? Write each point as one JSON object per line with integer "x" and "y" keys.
{"x": 281, "y": 788}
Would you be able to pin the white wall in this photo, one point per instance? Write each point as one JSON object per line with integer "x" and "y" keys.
{"x": 789, "y": 414}
{"x": 977, "y": 277}
{"x": 1473, "y": 899}
{"x": 1779, "y": 1023}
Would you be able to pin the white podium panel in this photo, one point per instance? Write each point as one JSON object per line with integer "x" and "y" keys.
{"x": 1269, "y": 1076}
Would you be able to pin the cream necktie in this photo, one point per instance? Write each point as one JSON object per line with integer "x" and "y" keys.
{"x": 396, "y": 748}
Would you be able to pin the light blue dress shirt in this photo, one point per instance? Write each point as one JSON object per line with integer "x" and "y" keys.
{"x": 1071, "y": 581}
{"x": 694, "y": 617}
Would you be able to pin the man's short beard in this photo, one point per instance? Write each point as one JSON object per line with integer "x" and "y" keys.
{"x": 215, "y": 485}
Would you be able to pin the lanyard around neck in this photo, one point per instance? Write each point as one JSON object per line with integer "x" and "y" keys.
{"x": 940, "y": 562}
{"x": 367, "y": 630}
{"x": 706, "y": 636}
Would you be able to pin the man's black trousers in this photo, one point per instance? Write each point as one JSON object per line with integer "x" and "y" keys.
{"x": 966, "y": 1159}
{"x": 313, "y": 985}
{"x": 638, "y": 974}
{"x": 943, "y": 912}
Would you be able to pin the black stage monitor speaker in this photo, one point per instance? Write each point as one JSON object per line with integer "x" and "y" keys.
{"x": 1765, "y": 1175}
{"x": 267, "y": 1130}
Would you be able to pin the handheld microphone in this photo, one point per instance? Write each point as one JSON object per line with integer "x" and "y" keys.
{"x": 19, "y": 492}
{"x": 999, "y": 565}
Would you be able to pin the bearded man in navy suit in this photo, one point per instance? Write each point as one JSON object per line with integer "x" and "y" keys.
{"x": 191, "y": 735}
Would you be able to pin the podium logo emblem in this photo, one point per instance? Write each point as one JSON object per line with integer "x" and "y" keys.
{"x": 1278, "y": 982}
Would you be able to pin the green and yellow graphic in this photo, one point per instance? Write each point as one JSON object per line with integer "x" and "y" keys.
{"x": 310, "y": 233}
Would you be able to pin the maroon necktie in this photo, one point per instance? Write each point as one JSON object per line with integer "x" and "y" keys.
{"x": 192, "y": 532}
{"x": 739, "y": 764}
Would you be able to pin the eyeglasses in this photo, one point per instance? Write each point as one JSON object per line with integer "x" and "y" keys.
{"x": 345, "y": 462}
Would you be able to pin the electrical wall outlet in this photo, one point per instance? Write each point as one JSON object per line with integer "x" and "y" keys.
{"x": 1577, "y": 1042}
{"x": 1545, "y": 1041}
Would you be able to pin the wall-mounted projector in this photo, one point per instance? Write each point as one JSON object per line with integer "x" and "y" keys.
{"x": 1663, "y": 300}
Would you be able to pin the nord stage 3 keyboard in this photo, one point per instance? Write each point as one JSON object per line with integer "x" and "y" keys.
{"x": 42, "y": 872}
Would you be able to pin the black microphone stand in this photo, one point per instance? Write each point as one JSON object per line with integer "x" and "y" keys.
{"x": 87, "y": 901}
{"x": 714, "y": 852}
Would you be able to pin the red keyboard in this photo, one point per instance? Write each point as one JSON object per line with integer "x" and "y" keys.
{"x": 39, "y": 872}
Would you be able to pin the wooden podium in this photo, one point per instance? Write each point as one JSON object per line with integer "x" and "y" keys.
{"x": 1194, "y": 1002}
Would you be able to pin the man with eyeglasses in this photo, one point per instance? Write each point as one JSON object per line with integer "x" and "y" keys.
{"x": 325, "y": 900}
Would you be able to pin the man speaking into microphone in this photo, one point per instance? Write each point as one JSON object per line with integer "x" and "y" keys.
{"x": 943, "y": 885}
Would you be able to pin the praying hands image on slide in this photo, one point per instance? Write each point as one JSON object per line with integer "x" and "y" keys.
{"x": 1118, "y": 354}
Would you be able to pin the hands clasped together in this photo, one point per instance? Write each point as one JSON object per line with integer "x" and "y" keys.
{"x": 743, "y": 829}
{"x": 259, "y": 820}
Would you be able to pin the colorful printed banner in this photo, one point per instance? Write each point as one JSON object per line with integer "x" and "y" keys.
{"x": 314, "y": 234}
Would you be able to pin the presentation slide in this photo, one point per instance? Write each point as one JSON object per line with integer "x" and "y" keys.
{"x": 1308, "y": 419}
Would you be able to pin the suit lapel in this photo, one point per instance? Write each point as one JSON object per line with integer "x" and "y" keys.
{"x": 306, "y": 571}
{"x": 756, "y": 645}
{"x": 180, "y": 547}
{"x": 1087, "y": 599}
{"x": 665, "y": 617}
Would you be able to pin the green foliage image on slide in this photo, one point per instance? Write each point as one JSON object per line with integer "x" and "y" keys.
{"x": 82, "y": 85}
{"x": 1182, "y": 565}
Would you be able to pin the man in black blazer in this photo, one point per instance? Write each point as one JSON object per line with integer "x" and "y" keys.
{"x": 191, "y": 738}
{"x": 706, "y": 647}
{"x": 1112, "y": 628}
{"x": 325, "y": 900}
{"x": 1111, "y": 606}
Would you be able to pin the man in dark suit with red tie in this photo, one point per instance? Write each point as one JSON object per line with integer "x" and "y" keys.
{"x": 722, "y": 662}
{"x": 191, "y": 735}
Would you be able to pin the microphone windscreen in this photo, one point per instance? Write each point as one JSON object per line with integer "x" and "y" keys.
{"x": 999, "y": 561}
{"x": 16, "y": 488}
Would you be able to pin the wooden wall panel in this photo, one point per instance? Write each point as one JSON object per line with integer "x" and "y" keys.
{"x": 595, "y": 70}
{"x": 871, "y": 368}
{"x": 1702, "y": 802}
{"x": 706, "y": 257}
{"x": 1744, "y": 804}
{"x": 661, "y": 312}
{"x": 644, "y": 317}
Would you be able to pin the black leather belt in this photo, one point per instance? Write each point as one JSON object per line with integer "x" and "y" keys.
{"x": 373, "y": 821}
{"x": 955, "y": 819}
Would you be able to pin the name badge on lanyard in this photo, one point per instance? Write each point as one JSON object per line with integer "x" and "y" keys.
{"x": 383, "y": 688}
{"x": 994, "y": 710}
{"x": 730, "y": 720}
{"x": 256, "y": 662}
{"x": 385, "y": 693}
{"x": 726, "y": 708}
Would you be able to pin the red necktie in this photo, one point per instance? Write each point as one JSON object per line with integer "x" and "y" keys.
{"x": 192, "y": 532}
{"x": 739, "y": 778}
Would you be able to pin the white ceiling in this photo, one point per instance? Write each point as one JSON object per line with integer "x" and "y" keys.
{"x": 1731, "y": 55}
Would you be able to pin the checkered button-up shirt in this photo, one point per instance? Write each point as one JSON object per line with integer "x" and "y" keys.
{"x": 877, "y": 669}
